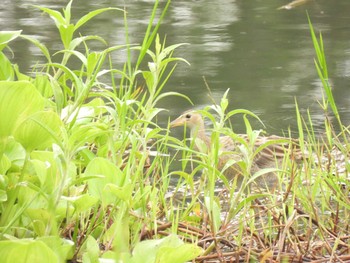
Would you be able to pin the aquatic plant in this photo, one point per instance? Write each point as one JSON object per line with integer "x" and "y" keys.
{"x": 86, "y": 173}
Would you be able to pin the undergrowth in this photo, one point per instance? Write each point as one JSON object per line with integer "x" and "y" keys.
{"x": 86, "y": 174}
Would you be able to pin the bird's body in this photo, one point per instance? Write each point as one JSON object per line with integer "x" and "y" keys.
{"x": 267, "y": 151}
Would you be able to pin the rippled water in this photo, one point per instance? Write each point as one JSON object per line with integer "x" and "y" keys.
{"x": 263, "y": 55}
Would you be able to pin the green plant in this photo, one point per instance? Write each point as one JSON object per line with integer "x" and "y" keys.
{"x": 75, "y": 160}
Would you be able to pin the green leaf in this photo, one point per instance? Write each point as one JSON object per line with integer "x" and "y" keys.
{"x": 3, "y": 195}
{"x": 166, "y": 250}
{"x": 66, "y": 32}
{"x": 7, "y": 36}
{"x": 43, "y": 85}
{"x": 55, "y": 15}
{"x": 180, "y": 254}
{"x": 6, "y": 70}
{"x": 5, "y": 164}
{"x": 83, "y": 203}
{"x": 78, "y": 40}
{"x": 214, "y": 211}
{"x": 90, "y": 15}
{"x": 92, "y": 251}
{"x": 64, "y": 248}
{"x": 22, "y": 99}
{"x": 121, "y": 192}
{"x": 25, "y": 251}
{"x": 108, "y": 173}
{"x": 40, "y": 130}
{"x": 39, "y": 45}
{"x": 20, "y": 76}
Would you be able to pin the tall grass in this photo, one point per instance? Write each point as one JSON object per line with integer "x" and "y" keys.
{"x": 86, "y": 173}
{"x": 79, "y": 178}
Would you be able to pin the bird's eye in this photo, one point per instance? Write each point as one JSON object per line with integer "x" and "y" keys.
{"x": 188, "y": 116}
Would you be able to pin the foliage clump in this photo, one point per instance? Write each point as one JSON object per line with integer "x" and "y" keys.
{"x": 86, "y": 175}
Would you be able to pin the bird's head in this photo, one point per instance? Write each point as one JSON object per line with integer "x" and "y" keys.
{"x": 191, "y": 119}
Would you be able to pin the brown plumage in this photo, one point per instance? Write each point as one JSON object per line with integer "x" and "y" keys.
{"x": 273, "y": 148}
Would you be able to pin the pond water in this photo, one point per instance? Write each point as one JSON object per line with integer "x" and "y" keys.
{"x": 263, "y": 55}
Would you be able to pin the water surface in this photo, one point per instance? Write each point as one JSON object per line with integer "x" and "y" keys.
{"x": 263, "y": 55}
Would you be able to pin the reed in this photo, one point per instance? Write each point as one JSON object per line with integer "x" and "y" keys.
{"x": 88, "y": 175}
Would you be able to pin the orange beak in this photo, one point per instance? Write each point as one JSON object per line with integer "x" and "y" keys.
{"x": 177, "y": 122}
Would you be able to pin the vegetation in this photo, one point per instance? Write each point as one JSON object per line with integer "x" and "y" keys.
{"x": 86, "y": 174}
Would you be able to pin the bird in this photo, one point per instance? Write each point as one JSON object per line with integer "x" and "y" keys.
{"x": 271, "y": 149}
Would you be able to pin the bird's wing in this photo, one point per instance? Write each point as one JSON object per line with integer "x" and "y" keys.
{"x": 267, "y": 150}
{"x": 275, "y": 148}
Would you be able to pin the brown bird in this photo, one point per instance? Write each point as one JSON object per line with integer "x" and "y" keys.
{"x": 272, "y": 150}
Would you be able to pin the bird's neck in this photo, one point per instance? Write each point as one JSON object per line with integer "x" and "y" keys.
{"x": 199, "y": 133}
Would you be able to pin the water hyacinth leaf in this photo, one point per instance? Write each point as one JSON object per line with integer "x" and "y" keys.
{"x": 22, "y": 99}
{"x": 7, "y": 36}
{"x": 6, "y": 70}
{"x": 5, "y": 164}
{"x": 84, "y": 203}
{"x": 48, "y": 169}
{"x": 41, "y": 170}
{"x": 64, "y": 248}
{"x": 43, "y": 84}
{"x": 183, "y": 253}
{"x": 39, "y": 227}
{"x": 92, "y": 250}
{"x": 40, "y": 130}
{"x": 85, "y": 113}
{"x": 108, "y": 173}
{"x": 3, "y": 195}
{"x": 151, "y": 251}
{"x": 121, "y": 192}
{"x": 24, "y": 250}
{"x": 20, "y": 76}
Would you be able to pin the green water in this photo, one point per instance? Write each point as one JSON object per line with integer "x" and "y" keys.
{"x": 263, "y": 55}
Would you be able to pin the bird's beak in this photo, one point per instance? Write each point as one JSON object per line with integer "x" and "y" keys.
{"x": 177, "y": 122}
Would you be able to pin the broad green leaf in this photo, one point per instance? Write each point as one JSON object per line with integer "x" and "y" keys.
{"x": 40, "y": 214}
{"x": 47, "y": 167}
{"x": 6, "y": 70}
{"x": 20, "y": 76}
{"x": 5, "y": 164}
{"x": 25, "y": 251}
{"x": 22, "y": 99}
{"x": 43, "y": 85}
{"x": 92, "y": 251}
{"x": 83, "y": 203}
{"x": 110, "y": 173}
{"x": 156, "y": 250}
{"x": 63, "y": 248}
{"x": 121, "y": 192}
{"x": 3, "y": 195}
{"x": 180, "y": 254}
{"x": 7, "y": 36}
{"x": 15, "y": 152}
{"x": 40, "y": 130}
{"x": 44, "y": 172}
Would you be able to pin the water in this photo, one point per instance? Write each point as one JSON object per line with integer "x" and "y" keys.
{"x": 263, "y": 55}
